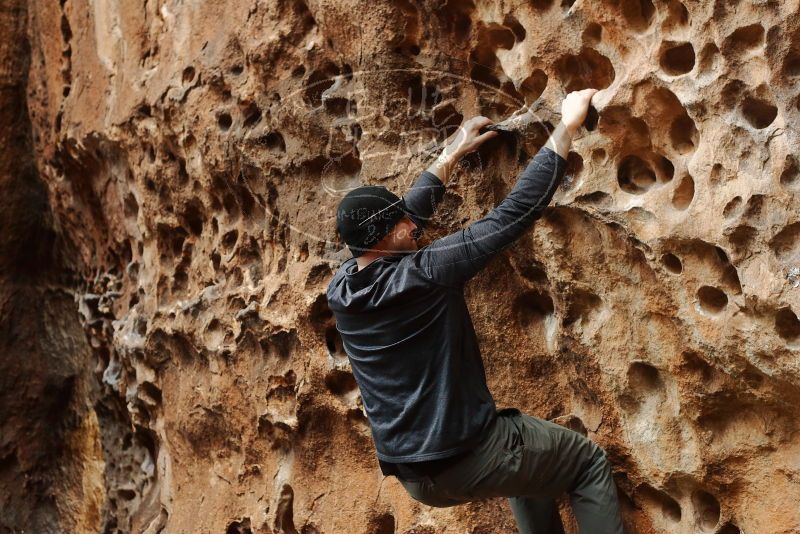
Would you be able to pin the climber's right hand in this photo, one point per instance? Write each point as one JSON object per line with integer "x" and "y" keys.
{"x": 468, "y": 137}
{"x": 574, "y": 109}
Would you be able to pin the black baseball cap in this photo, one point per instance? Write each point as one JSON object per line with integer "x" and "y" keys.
{"x": 367, "y": 214}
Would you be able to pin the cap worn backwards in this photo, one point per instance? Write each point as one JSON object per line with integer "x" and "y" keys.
{"x": 366, "y": 215}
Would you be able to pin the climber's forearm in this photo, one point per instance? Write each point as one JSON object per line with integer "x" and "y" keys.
{"x": 560, "y": 140}
{"x": 444, "y": 164}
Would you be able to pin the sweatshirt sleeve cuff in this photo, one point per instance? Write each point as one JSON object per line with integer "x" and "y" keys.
{"x": 551, "y": 153}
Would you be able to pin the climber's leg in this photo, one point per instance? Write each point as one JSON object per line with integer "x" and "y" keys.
{"x": 524, "y": 456}
{"x": 594, "y": 497}
{"x": 569, "y": 462}
{"x": 536, "y": 516}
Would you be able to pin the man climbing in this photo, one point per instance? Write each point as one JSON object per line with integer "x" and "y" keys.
{"x": 407, "y": 332}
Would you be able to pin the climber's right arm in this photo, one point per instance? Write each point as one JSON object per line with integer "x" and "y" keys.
{"x": 428, "y": 190}
{"x": 455, "y": 258}
{"x": 574, "y": 109}
{"x": 465, "y": 140}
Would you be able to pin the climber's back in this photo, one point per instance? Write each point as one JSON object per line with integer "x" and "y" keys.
{"x": 415, "y": 358}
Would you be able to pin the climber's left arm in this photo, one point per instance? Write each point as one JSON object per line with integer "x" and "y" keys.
{"x": 426, "y": 193}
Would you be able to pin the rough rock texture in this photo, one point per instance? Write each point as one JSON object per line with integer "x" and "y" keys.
{"x": 168, "y": 179}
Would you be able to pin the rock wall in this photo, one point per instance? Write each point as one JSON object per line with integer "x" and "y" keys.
{"x": 192, "y": 155}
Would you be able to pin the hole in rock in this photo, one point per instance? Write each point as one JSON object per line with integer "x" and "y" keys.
{"x": 786, "y": 243}
{"x": 151, "y": 391}
{"x": 446, "y": 120}
{"x": 284, "y": 513}
{"x": 712, "y": 299}
{"x": 224, "y": 121}
{"x": 791, "y": 64}
{"x": 741, "y": 237}
{"x": 457, "y": 16}
{"x": 684, "y": 193}
{"x": 342, "y": 107}
{"x": 732, "y": 93}
{"x": 306, "y": 18}
{"x": 732, "y": 207}
{"x": 638, "y": 13}
{"x": 573, "y": 170}
{"x": 273, "y": 141}
{"x": 667, "y": 168}
{"x": 754, "y": 207}
{"x": 531, "y": 269}
{"x": 298, "y": 71}
{"x": 318, "y": 82}
{"x": 229, "y": 239}
{"x": 696, "y": 365}
{"x": 677, "y": 15}
{"x": 791, "y": 171}
{"x": 340, "y": 382}
{"x": 593, "y": 33}
{"x": 592, "y": 117}
{"x": 240, "y": 527}
{"x": 677, "y": 58}
{"x": 669, "y": 507}
{"x": 383, "y": 524}
{"x": 664, "y": 109}
{"x": 787, "y": 325}
{"x": 237, "y": 69}
{"x": 193, "y": 217}
{"x": 599, "y": 198}
{"x": 334, "y": 343}
{"x": 708, "y": 58}
{"x": 348, "y": 164}
{"x": 231, "y": 205}
{"x": 482, "y": 70}
{"x": 587, "y": 69}
{"x": 188, "y": 75}
{"x": 320, "y": 312}
{"x": 743, "y": 39}
{"x": 582, "y": 304}
{"x": 131, "y": 206}
{"x": 635, "y": 176}
{"x": 672, "y": 263}
{"x": 409, "y": 23}
{"x": 599, "y": 156}
{"x": 126, "y": 494}
{"x": 180, "y": 281}
{"x": 729, "y": 528}
{"x": 643, "y": 377}
{"x": 706, "y": 510}
{"x": 533, "y": 86}
{"x": 511, "y": 22}
{"x": 542, "y": 5}
{"x": 682, "y": 134}
{"x": 252, "y": 115}
{"x": 280, "y": 343}
{"x": 566, "y": 4}
{"x": 532, "y": 307}
{"x": 758, "y": 112}
{"x": 423, "y": 96}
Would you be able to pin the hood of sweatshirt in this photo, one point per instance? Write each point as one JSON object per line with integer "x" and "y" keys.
{"x": 374, "y": 286}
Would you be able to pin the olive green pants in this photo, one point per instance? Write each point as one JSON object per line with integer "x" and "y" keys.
{"x": 531, "y": 461}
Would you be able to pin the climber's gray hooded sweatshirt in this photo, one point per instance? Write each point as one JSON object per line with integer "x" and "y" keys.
{"x": 407, "y": 331}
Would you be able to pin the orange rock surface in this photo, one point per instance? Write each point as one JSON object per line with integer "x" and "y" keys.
{"x": 169, "y": 178}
